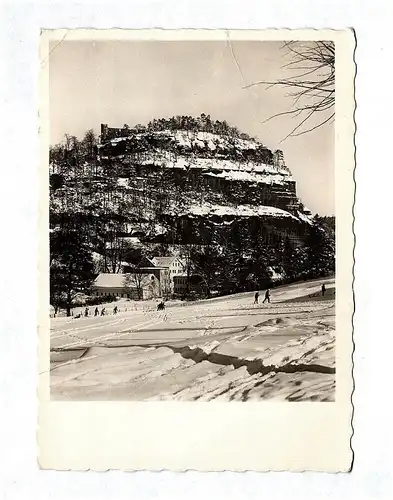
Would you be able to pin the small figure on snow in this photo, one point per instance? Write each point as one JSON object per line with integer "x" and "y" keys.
{"x": 103, "y": 311}
{"x": 256, "y": 298}
{"x": 115, "y": 310}
{"x": 323, "y": 289}
{"x": 161, "y": 307}
{"x": 267, "y": 296}
{"x": 96, "y": 311}
{"x": 86, "y": 312}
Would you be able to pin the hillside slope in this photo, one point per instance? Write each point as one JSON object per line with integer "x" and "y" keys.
{"x": 167, "y": 185}
{"x": 225, "y": 201}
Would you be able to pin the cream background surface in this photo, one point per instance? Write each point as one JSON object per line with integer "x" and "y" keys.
{"x": 20, "y": 476}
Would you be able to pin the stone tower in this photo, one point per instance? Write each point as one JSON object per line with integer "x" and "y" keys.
{"x": 104, "y": 131}
{"x": 278, "y": 158}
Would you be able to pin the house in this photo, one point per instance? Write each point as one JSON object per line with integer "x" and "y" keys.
{"x": 174, "y": 266}
{"x": 163, "y": 268}
{"x": 131, "y": 286}
{"x": 161, "y": 274}
{"x": 196, "y": 285}
{"x": 179, "y": 285}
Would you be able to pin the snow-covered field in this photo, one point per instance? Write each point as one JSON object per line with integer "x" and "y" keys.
{"x": 224, "y": 349}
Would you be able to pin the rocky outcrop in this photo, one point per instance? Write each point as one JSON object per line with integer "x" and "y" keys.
{"x": 178, "y": 186}
{"x": 189, "y": 177}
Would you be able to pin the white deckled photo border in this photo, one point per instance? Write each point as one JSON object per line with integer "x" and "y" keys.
{"x": 212, "y": 436}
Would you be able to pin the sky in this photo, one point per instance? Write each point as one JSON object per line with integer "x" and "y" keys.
{"x": 131, "y": 82}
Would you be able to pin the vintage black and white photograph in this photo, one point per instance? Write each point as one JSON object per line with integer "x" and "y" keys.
{"x": 192, "y": 220}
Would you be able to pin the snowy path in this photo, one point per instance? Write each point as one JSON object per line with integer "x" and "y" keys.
{"x": 212, "y": 349}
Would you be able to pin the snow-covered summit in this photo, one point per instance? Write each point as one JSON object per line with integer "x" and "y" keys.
{"x": 184, "y": 168}
{"x": 226, "y": 157}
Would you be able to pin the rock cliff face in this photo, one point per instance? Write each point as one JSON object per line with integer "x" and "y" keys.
{"x": 193, "y": 182}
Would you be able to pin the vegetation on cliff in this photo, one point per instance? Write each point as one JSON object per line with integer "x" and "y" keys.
{"x": 145, "y": 192}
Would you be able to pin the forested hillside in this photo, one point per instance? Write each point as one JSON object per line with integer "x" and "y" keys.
{"x": 189, "y": 186}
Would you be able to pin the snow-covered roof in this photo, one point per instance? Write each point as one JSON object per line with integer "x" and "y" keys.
{"x": 110, "y": 280}
{"x": 116, "y": 280}
{"x": 163, "y": 261}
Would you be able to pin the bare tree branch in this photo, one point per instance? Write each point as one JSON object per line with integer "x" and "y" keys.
{"x": 312, "y": 84}
{"x": 331, "y": 117}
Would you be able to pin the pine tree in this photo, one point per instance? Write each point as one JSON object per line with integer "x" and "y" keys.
{"x": 72, "y": 269}
{"x": 208, "y": 264}
{"x": 289, "y": 259}
{"x": 233, "y": 252}
{"x": 299, "y": 263}
{"x": 261, "y": 262}
{"x": 320, "y": 251}
{"x": 89, "y": 145}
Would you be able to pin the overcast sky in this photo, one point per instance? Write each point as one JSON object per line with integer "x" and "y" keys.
{"x": 133, "y": 82}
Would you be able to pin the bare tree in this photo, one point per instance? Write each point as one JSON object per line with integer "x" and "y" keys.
{"x": 311, "y": 85}
{"x": 187, "y": 257}
{"x": 134, "y": 281}
{"x": 115, "y": 251}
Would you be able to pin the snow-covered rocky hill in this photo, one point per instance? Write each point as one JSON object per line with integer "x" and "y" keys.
{"x": 189, "y": 176}
{"x": 177, "y": 186}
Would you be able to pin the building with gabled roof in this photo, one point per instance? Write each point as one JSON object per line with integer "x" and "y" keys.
{"x": 135, "y": 285}
{"x": 163, "y": 261}
{"x": 175, "y": 266}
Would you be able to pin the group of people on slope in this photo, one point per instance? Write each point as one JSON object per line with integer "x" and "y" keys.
{"x": 160, "y": 307}
{"x": 266, "y": 299}
{"x": 267, "y": 295}
{"x": 96, "y": 312}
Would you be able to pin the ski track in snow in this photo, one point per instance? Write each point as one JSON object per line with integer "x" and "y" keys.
{"x": 224, "y": 349}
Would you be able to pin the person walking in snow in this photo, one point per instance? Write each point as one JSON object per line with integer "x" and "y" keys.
{"x": 103, "y": 311}
{"x": 267, "y": 296}
{"x": 323, "y": 289}
{"x": 96, "y": 312}
{"x": 115, "y": 310}
{"x": 86, "y": 312}
{"x": 161, "y": 307}
{"x": 256, "y": 298}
